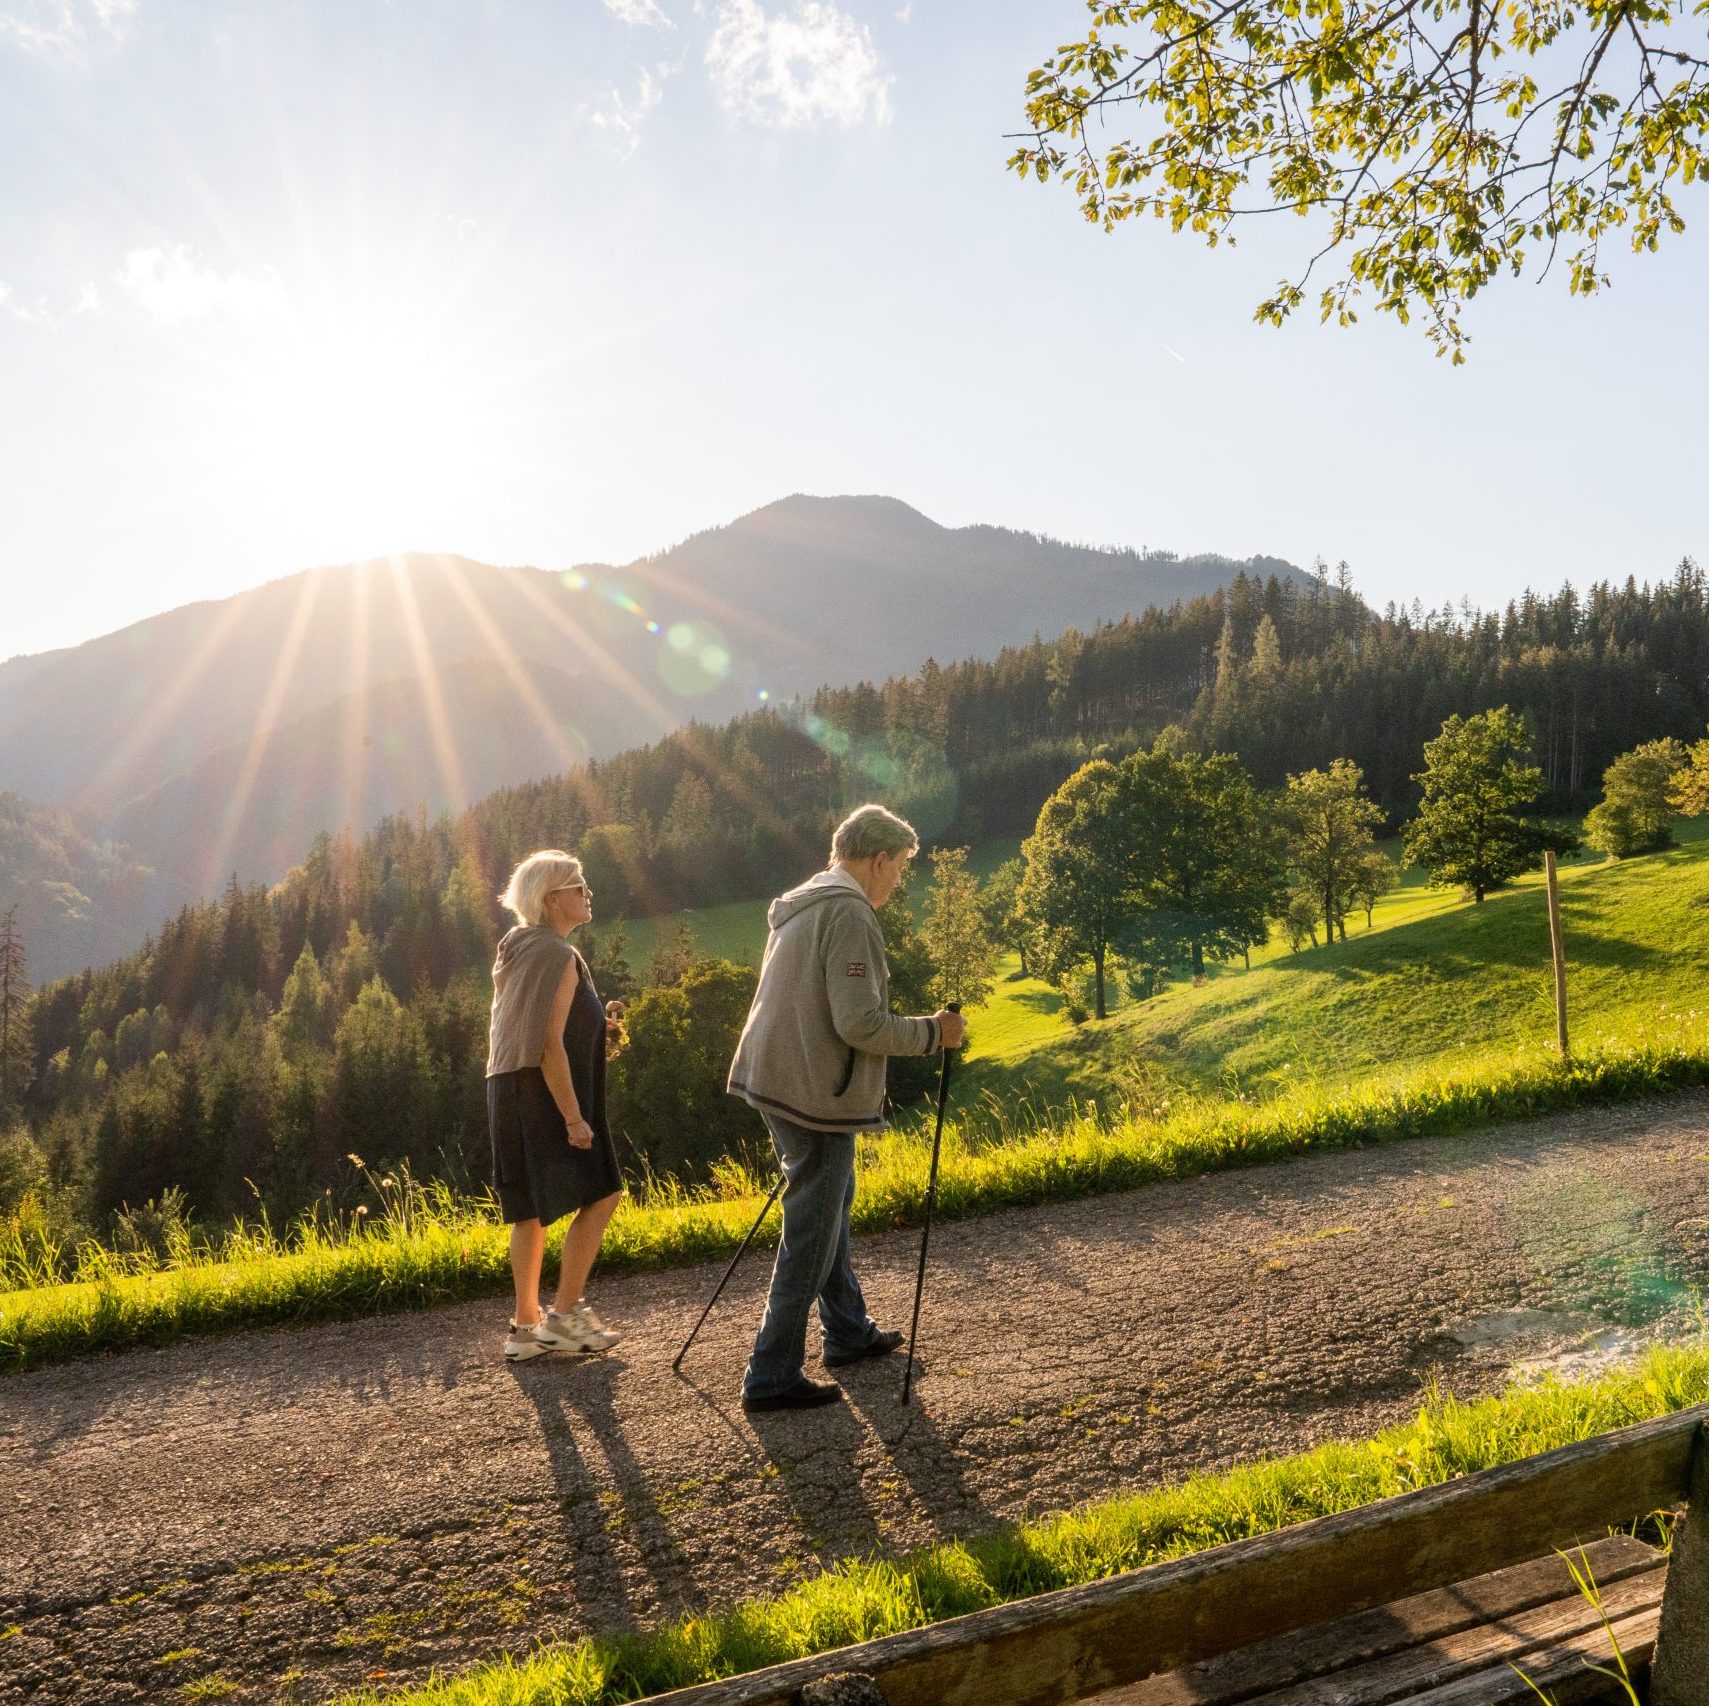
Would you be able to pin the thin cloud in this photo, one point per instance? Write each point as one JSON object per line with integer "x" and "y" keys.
{"x": 619, "y": 117}
{"x": 62, "y": 26}
{"x": 639, "y": 12}
{"x": 171, "y": 286}
{"x": 788, "y": 70}
{"x": 31, "y": 313}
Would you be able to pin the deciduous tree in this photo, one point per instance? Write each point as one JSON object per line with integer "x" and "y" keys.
{"x": 1476, "y": 777}
{"x": 1331, "y": 825}
{"x": 1689, "y": 790}
{"x": 1079, "y": 872}
{"x": 1203, "y": 875}
{"x": 1635, "y": 813}
{"x": 668, "y": 1103}
{"x": 1374, "y": 876}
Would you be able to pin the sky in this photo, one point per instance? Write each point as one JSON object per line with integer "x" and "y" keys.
{"x": 564, "y": 281}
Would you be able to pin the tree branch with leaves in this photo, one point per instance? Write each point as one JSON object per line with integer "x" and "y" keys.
{"x": 1439, "y": 142}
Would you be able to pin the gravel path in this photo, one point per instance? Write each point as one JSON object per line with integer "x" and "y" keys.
{"x": 290, "y": 1513}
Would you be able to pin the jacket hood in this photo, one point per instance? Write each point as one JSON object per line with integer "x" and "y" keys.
{"x": 824, "y": 885}
{"x": 522, "y": 942}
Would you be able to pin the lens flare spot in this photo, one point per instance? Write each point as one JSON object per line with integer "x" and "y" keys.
{"x": 653, "y": 628}
{"x": 573, "y": 581}
{"x": 873, "y": 762}
{"x": 695, "y": 658}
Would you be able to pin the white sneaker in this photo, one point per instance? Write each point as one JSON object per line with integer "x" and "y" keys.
{"x": 521, "y": 1343}
{"x": 579, "y": 1330}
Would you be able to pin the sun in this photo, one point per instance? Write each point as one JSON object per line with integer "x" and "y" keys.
{"x": 365, "y": 430}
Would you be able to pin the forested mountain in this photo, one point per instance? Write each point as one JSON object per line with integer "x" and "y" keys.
{"x": 75, "y": 897}
{"x": 221, "y": 736}
{"x": 259, "y": 1039}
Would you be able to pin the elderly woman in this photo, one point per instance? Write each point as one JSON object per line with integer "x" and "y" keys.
{"x": 812, "y": 1061}
{"x": 546, "y": 1056}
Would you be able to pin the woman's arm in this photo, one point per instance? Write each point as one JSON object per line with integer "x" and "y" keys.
{"x": 555, "y": 1063}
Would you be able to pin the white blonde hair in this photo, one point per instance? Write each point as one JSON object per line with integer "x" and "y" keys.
{"x": 525, "y": 894}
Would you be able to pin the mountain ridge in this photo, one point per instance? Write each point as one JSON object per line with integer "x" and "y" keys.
{"x": 192, "y": 743}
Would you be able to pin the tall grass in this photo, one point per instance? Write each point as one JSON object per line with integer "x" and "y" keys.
{"x": 427, "y": 1247}
{"x": 861, "y": 1600}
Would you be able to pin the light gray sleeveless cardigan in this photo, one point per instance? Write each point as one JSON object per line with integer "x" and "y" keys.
{"x": 526, "y": 975}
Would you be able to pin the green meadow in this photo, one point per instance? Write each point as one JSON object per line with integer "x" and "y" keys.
{"x": 1434, "y": 983}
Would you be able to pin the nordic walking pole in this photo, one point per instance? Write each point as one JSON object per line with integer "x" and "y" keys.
{"x": 676, "y": 1361}
{"x": 931, "y": 1203}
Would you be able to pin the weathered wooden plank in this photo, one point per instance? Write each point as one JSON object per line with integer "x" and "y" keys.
{"x": 1524, "y": 1639}
{"x": 1564, "y": 1671}
{"x": 1348, "y": 1641}
{"x": 1058, "y": 1647}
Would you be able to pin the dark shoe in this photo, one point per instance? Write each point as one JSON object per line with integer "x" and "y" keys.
{"x": 881, "y": 1346}
{"x": 806, "y": 1395}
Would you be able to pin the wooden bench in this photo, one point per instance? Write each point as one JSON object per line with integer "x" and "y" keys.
{"x": 1430, "y": 1597}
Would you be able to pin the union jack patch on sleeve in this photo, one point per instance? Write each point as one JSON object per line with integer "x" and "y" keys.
{"x": 857, "y": 968}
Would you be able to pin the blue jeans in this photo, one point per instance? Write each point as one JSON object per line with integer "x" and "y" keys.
{"x": 812, "y": 1259}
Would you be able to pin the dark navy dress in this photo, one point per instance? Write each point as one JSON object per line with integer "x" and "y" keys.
{"x": 536, "y": 1173}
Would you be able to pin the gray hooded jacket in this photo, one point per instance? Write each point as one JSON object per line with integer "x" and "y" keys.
{"x": 814, "y": 1046}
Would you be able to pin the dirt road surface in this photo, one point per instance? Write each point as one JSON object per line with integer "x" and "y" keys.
{"x": 281, "y": 1515}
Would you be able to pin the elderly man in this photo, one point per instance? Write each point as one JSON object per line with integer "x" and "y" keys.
{"x": 811, "y": 1060}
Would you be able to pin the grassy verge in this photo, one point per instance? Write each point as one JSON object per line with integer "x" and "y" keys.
{"x": 858, "y": 1601}
{"x": 417, "y": 1259}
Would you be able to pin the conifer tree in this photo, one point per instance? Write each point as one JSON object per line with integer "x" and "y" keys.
{"x": 955, "y": 932}
{"x": 17, "y": 1063}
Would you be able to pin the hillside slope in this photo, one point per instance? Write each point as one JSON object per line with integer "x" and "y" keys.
{"x": 1446, "y": 982}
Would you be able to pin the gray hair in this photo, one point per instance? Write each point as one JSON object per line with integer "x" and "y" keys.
{"x": 525, "y": 894}
{"x": 872, "y": 829}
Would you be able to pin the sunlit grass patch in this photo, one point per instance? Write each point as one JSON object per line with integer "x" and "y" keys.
{"x": 863, "y": 1599}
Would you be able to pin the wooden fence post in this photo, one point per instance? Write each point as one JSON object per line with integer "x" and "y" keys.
{"x": 1559, "y": 954}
